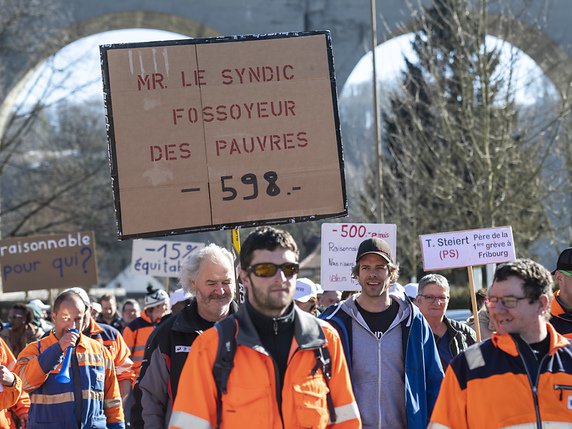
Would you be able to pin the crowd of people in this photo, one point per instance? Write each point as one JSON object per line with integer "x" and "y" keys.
{"x": 293, "y": 355}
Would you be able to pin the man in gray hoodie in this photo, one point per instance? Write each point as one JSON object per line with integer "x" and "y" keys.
{"x": 394, "y": 363}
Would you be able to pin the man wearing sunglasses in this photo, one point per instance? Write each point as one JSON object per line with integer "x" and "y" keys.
{"x": 276, "y": 380}
{"x": 561, "y": 308}
{"x": 522, "y": 376}
{"x": 393, "y": 360}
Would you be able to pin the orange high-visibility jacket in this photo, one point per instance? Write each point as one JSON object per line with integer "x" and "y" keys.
{"x": 11, "y": 396}
{"x": 489, "y": 386}
{"x": 113, "y": 341}
{"x": 251, "y": 397}
{"x": 93, "y": 389}
{"x": 560, "y": 319}
{"x": 136, "y": 335}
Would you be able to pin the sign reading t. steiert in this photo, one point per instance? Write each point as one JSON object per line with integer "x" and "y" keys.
{"x": 214, "y": 133}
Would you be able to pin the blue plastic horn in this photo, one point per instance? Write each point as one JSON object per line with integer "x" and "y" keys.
{"x": 64, "y": 374}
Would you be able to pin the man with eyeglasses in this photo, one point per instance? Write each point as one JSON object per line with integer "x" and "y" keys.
{"x": 452, "y": 337}
{"x": 394, "y": 363}
{"x": 276, "y": 379}
{"x": 522, "y": 376}
{"x": 561, "y": 308}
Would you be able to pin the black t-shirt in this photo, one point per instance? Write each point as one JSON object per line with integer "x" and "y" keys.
{"x": 379, "y": 322}
{"x": 540, "y": 349}
{"x": 203, "y": 324}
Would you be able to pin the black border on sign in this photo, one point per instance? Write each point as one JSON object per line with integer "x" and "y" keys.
{"x": 222, "y": 39}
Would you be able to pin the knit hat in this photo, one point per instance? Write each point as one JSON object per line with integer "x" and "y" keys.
{"x": 155, "y": 297}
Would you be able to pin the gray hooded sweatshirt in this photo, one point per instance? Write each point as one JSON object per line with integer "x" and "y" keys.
{"x": 378, "y": 375}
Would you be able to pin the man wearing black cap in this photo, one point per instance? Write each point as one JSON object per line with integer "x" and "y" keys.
{"x": 561, "y": 308}
{"x": 394, "y": 363}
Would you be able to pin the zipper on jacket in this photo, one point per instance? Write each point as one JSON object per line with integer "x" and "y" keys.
{"x": 534, "y": 385}
{"x": 278, "y": 384}
{"x": 275, "y": 326}
{"x": 379, "y": 357}
{"x": 562, "y": 388}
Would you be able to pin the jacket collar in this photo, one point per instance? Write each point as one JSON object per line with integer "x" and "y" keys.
{"x": 146, "y": 318}
{"x": 506, "y": 342}
{"x": 450, "y": 326}
{"x": 406, "y": 308}
{"x": 188, "y": 319}
{"x": 557, "y": 310}
{"x": 307, "y": 330}
{"x": 93, "y": 327}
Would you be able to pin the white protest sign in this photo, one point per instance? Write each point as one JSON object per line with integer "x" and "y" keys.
{"x": 161, "y": 258}
{"x": 467, "y": 248}
{"x": 340, "y": 242}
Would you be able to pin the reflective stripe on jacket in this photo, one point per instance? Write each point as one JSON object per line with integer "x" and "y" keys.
{"x": 54, "y": 405}
{"x": 251, "y": 396}
{"x": 135, "y": 335}
{"x": 489, "y": 386}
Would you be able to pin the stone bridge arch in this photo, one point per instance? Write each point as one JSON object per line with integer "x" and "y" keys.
{"x": 348, "y": 21}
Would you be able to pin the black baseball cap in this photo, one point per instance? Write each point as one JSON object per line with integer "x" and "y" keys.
{"x": 376, "y": 246}
{"x": 564, "y": 261}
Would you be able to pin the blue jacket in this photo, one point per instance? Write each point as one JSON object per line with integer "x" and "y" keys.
{"x": 91, "y": 400}
{"x": 423, "y": 370}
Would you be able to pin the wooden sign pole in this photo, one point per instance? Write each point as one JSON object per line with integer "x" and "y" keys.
{"x": 474, "y": 302}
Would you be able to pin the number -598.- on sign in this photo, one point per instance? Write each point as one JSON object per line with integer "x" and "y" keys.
{"x": 214, "y": 133}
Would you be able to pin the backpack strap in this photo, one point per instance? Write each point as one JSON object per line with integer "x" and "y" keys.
{"x": 224, "y": 361}
{"x": 324, "y": 362}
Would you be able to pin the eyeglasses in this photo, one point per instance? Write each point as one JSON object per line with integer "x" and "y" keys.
{"x": 433, "y": 299}
{"x": 268, "y": 269}
{"x": 506, "y": 301}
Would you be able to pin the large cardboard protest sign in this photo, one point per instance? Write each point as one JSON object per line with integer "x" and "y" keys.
{"x": 340, "y": 242}
{"x": 467, "y": 248}
{"x": 48, "y": 262}
{"x": 213, "y": 133}
{"x": 161, "y": 258}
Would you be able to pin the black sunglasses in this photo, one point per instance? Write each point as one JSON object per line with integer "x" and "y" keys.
{"x": 268, "y": 269}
